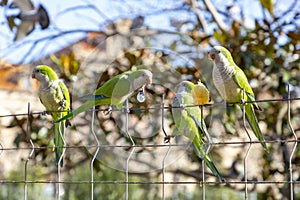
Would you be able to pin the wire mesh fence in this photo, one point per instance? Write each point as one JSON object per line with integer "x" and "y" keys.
{"x": 132, "y": 148}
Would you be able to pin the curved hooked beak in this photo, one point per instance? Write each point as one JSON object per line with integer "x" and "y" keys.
{"x": 149, "y": 81}
{"x": 33, "y": 75}
{"x": 211, "y": 56}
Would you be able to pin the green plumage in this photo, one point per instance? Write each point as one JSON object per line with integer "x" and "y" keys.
{"x": 188, "y": 122}
{"x": 230, "y": 82}
{"x": 115, "y": 91}
{"x": 54, "y": 95}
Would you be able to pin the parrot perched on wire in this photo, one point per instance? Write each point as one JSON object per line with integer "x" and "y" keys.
{"x": 188, "y": 122}
{"x": 54, "y": 95}
{"x": 230, "y": 80}
{"x": 115, "y": 91}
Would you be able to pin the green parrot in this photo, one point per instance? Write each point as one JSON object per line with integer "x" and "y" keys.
{"x": 188, "y": 122}
{"x": 54, "y": 95}
{"x": 229, "y": 80}
{"x": 115, "y": 91}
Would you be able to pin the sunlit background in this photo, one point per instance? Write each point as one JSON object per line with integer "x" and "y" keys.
{"x": 88, "y": 42}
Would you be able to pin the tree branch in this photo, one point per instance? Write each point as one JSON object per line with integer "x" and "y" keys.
{"x": 201, "y": 19}
{"x": 211, "y": 8}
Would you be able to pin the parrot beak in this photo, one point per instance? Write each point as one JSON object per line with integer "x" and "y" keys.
{"x": 149, "y": 81}
{"x": 211, "y": 56}
{"x": 33, "y": 76}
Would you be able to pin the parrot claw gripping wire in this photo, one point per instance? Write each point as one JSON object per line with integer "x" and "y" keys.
{"x": 182, "y": 106}
{"x": 45, "y": 112}
{"x": 167, "y": 138}
{"x": 108, "y": 111}
{"x": 125, "y": 109}
{"x": 62, "y": 103}
{"x": 243, "y": 102}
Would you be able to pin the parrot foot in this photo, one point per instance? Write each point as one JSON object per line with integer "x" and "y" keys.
{"x": 68, "y": 123}
{"x": 125, "y": 110}
{"x": 167, "y": 139}
{"x": 242, "y": 102}
{"x": 62, "y": 103}
{"x": 108, "y": 111}
{"x": 182, "y": 106}
{"x": 45, "y": 112}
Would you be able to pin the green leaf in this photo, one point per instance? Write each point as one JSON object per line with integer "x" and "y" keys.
{"x": 219, "y": 36}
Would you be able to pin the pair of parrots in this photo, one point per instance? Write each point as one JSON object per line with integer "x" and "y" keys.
{"x": 54, "y": 95}
{"x": 228, "y": 78}
{"x": 230, "y": 82}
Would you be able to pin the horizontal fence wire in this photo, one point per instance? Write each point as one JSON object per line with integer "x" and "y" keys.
{"x": 132, "y": 147}
{"x": 148, "y": 182}
{"x": 157, "y": 108}
{"x": 142, "y": 145}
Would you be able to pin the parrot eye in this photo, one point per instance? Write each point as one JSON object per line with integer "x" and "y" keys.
{"x": 218, "y": 52}
{"x": 38, "y": 71}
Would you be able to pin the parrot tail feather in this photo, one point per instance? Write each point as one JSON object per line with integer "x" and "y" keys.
{"x": 207, "y": 158}
{"x": 213, "y": 168}
{"x": 251, "y": 118}
{"x": 59, "y": 129}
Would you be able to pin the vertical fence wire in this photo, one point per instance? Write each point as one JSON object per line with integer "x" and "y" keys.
{"x": 164, "y": 169}
{"x": 169, "y": 146}
{"x": 203, "y": 179}
{"x": 95, "y": 154}
{"x": 61, "y": 135}
{"x": 250, "y": 144}
{"x": 30, "y": 153}
{"x": 295, "y": 144}
{"x": 208, "y": 148}
{"x": 1, "y": 149}
{"x": 133, "y": 147}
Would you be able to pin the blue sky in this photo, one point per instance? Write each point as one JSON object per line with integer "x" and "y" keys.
{"x": 90, "y": 19}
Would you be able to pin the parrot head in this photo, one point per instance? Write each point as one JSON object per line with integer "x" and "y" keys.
{"x": 143, "y": 77}
{"x": 219, "y": 54}
{"x": 43, "y": 74}
{"x": 185, "y": 86}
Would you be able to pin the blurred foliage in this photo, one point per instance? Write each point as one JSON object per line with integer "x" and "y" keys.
{"x": 268, "y": 62}
{"x": 68, "y": 64}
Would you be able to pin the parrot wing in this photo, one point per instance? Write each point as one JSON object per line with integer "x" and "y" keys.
{"x": 66, "y": 94}
{"x": 106, "y": 89}
{"x": 106, "y": 94}
{"x": 242, "y": 81}
{"x": 67, "y": 101}
{"x": 250, "y": 115}
{"x": 198, "y": 142}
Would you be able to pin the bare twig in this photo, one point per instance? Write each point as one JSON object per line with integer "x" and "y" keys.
{"x": 224, "y": 28}
{"x": 201, "y": 19}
